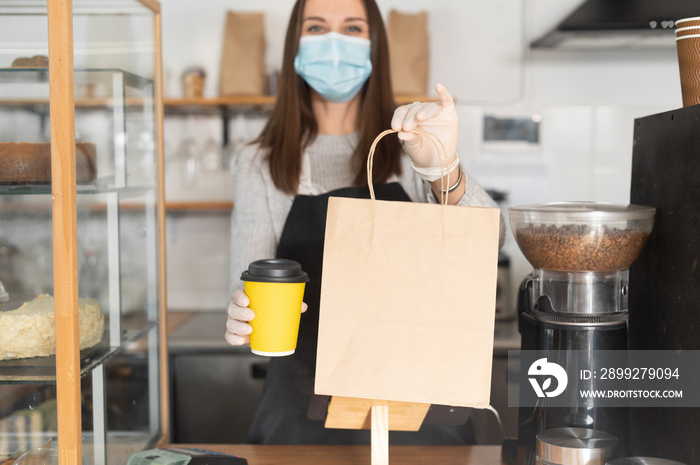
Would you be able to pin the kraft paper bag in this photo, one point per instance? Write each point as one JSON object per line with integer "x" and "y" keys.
{"x": 408, "y": 52}
{"x": 408, "y": 302}
{"x": 243, "y": 55}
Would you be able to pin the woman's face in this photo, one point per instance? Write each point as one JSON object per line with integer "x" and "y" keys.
{"x": 342, "y": 16}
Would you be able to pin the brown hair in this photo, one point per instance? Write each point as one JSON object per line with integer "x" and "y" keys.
{"x": 292, "y": 126}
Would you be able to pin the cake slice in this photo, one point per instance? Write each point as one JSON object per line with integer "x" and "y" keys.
{"x": 30, "y": 330}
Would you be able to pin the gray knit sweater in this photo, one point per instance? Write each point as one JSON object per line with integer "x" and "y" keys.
{"x": 260, "y": 209}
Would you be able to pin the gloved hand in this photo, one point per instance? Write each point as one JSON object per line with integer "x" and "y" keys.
{"x": 438, "y": 119}
{"x": 239, "y": 314}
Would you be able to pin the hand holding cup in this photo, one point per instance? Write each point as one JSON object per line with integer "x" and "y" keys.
{"x": 267, "y": 313}
{"x": 238, "y": 326}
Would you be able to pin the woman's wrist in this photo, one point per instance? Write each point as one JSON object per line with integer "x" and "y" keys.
{"x": 451, "y": 185}
{"x": 436, "y": 172}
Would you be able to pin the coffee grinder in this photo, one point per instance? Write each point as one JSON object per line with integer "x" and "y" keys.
{"x": 575, "y": 301}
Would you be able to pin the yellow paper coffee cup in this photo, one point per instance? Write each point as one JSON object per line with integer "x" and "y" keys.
{"x": 275, "y": 288}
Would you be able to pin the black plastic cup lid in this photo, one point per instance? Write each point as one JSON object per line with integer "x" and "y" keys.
{"x": 275, "y": 270}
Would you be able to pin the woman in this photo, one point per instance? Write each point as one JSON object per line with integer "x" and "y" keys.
{"x": 334, "y": 98}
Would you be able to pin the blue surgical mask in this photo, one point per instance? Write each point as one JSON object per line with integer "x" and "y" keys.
{"x": 334, "y": 65}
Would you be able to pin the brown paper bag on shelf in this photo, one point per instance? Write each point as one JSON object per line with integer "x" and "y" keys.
{"x": 243, "y": 55}
{"x": 408, "y": 302}
{"x": 408, "y": 52}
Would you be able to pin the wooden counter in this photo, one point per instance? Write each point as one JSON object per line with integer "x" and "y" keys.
{"x": 359, "y": 455}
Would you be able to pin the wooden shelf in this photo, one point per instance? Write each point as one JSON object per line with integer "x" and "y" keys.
{"x": 215, "y": 104}
{"x": 198, "y": 206}
{"x": 83, "y": 102}
{"x": 220, "y": 101}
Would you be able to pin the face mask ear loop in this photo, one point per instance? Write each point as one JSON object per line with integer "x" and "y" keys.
{"x": 442, "y": 153}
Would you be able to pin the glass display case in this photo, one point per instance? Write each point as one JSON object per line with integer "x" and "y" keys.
{"x": 82, "y": 338}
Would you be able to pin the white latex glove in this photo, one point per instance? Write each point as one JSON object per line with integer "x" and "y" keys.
{"x": 238, "y": 328}
{"x": 438, "y": 119}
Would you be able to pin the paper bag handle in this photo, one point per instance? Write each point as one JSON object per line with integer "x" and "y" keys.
{"x": 442, "y": 153}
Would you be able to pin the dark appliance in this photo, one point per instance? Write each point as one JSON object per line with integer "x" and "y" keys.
{"x": 616, "y": 24}
{"x": 665, "y": 298}
{"x": 575, "y": 301}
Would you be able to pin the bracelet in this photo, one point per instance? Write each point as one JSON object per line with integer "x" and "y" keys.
{"x": 456, "y": 185}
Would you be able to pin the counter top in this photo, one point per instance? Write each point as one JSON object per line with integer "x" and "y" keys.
{"x": 358, "y": 455}
{"x": 204, "y": 332}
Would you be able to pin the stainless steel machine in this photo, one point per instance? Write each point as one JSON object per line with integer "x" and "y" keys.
{"x": 575, "y": 301}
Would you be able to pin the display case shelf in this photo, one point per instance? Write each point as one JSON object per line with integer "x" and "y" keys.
{"x": 82, "y": 189}
{"x": 42, "y": 370}
{"x": 26, "y": 208}
{"x": 82, "y": 7}
{"x": 99, "y": 187}
{"x": 90, "y": 82}
{"x": 92, "y": 76}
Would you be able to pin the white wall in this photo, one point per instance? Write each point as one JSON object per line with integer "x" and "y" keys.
{"x": 193, "y": 36}
{"x": 479, "y": 50}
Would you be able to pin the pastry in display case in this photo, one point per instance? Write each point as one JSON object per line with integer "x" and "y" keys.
{"x": 30, "y": 163}
{"x": 81, "y": 252}
{"x": 30, "y": 330}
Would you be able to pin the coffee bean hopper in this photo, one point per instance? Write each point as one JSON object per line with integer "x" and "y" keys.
{"x": 575, "y": 300}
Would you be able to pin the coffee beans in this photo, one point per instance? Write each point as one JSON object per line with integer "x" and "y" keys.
{"x": 580, "y": 247}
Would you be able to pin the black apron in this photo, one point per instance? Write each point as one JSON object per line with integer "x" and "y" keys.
{"x": 281, "y": 416}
